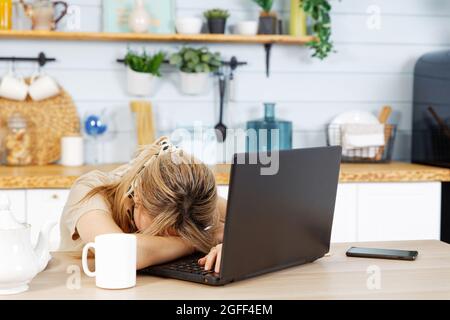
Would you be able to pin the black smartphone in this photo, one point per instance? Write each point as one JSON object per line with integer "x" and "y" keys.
{"x": 382, "y": 253}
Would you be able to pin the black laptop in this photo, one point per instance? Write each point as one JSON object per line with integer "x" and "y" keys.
{"x": 273, "y": 221}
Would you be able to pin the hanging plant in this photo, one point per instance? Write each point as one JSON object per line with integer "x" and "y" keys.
{"x": 319, "y": 11}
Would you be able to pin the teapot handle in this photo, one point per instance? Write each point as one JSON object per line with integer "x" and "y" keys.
{"x": 63, "y": 13}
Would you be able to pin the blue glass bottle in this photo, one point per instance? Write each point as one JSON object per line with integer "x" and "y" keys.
{"x": 269, "y": 133}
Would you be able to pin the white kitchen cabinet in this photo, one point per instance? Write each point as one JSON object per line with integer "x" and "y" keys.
{"x": 44, "y": 206}
{"x": 398, "y": 211}
{"x": 18, "y": 203}
{"x": 345, "y": 214}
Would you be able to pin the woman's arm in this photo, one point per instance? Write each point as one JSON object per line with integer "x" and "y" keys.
{"x": 151, "y": 250}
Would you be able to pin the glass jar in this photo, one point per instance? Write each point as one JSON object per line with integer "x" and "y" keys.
{"x": 18, "y": 142}
{"x": 3, "y": 131}
{"x": 269, "y": 133}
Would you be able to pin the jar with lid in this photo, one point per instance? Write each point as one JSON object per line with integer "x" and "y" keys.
{"x": 18, "y": 141}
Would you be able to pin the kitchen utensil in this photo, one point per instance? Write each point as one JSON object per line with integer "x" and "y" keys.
{"x": 189, "y": 25}
{"x": 441, "y": 123}
{"x": 42, "y": 13}
{"x": 115, "y": 261}
{"x": 20, "y": 262}
{"x": 383, "y": 118}
{"x": 269, "y": 133}
{"x": 72, "y": 151}
{"x": 221, "y": 129}
{"x": 145, "y": 125}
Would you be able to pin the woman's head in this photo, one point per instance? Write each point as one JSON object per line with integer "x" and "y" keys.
{"x": 166, "y": 193}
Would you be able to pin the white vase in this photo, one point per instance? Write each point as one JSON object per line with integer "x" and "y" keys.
{"x": 140, "y": 83}
{"x": 194, "y": 83}
{"x": 139, "y": 19}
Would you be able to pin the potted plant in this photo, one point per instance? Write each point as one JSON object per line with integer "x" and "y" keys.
{"x": 319, "y": 12}
{"x": 195, "y": 65}
{"x": 142, "y": 70}
{"x": 217, "y": 20}
{"x": 268, "y": 20}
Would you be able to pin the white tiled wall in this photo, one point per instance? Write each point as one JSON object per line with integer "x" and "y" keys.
{"x": 372, "y": 67}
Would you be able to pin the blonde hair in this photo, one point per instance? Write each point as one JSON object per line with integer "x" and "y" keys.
{"x": 177, "y": 190}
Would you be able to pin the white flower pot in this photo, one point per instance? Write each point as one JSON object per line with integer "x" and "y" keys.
{"x": 194, "y": 83}
{"x": 189, "y": 25}
{"x": 139, "y": 83}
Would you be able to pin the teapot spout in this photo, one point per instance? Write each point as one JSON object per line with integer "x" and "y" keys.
{"x": 42, "y": 249}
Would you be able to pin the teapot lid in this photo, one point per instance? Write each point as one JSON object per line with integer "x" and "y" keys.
{"x": 7, "y": 220}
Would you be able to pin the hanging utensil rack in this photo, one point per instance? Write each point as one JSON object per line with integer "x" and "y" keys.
{"x": 41, "y": 59}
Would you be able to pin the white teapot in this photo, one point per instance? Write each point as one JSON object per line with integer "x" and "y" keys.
{"x": 19, "y": 261}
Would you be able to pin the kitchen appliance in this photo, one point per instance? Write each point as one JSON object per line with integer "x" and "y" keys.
{"x": 431, "y": 121}
{"x": 269, "y": 133}
{"x": 20, "y": 262}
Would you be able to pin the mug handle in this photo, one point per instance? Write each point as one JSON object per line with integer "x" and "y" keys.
{"x": 84, "y": 258}
{"x": 63, "y": 13}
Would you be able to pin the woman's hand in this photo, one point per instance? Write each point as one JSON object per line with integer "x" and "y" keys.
{"x": 213, "y": 259}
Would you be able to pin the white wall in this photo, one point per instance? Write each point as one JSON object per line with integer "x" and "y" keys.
{"x": 372, "y": 67}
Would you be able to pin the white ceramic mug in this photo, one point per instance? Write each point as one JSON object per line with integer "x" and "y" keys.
{"x": 43, "y": 87}
{"x": 13, "y": 87}
{"x": 115, "y": 261}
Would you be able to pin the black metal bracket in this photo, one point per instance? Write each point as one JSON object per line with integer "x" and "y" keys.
{"x": 41, "y": 59}
{"x": 234, "y": 63}
{"x": 268, "y": 49}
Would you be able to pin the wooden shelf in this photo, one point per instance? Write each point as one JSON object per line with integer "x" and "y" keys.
{"x": 104, "y": 36}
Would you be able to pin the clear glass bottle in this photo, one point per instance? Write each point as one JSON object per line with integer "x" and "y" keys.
{"x": 18, "y": 142}
{"x": 269, "y": 133}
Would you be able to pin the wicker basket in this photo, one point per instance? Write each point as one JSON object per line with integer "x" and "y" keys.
{"x": 364, "y": 155}
{"x": 48, "y": 121}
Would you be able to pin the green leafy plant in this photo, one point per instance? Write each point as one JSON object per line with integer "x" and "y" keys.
{"x": 193, "y": 60}
{"x": 319, "y": 11}
{"x": 216, "y": 14}
{"x": 145, "y": 63}
{"x": 266, "y": 5}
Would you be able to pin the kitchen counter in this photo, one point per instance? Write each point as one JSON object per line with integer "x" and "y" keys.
{"x": 58, "y": 177}
{"x": 332, "y": 277}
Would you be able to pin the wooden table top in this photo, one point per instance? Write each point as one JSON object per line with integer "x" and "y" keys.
{"x": 59, "y": 177}
{"x": 332, "y": 277}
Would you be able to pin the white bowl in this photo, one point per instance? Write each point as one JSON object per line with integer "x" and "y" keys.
{"x": 247, "y": 28}
{"x": 189, "y": 25}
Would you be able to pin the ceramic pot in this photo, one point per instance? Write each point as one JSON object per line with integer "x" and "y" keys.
{"x": 193, "y": 83}
{"x": 268, "y": 24}
{"x": 217, "y": 25}
{"x": 140, "y": 83}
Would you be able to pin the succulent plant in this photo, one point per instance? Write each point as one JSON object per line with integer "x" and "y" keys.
{"x": 193, "y": 60}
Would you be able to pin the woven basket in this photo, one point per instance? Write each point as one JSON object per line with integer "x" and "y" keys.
{"x": 48, "y": 121}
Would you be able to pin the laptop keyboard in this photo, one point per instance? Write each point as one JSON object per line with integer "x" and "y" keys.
{"x": 189, "y": 267}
